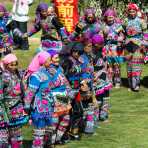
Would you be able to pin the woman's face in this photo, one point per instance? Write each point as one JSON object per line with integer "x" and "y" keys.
{"x": 84, "y": 86}
{"x": 90, "y": 17}
{"x": 47, "y": 62}
{"x": 44, "y": 13}
{"x": 88, "y": 48}
{"x": 132, "y": 13}
{"x": 75, "y": 54}
{"x": 12, "y": 66}
{"x": 55, "y": 59}
{"x": 1, "y": 13}
{"x": 110, "y": 19}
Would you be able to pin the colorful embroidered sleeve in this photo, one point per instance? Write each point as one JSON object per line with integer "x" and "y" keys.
{"x": 104, "y": 29}
{"x": 3, "y": 29}
{"x": 119, "y": 28}
{"x": 59, "y": 26}
{"x": 120, "y": 32}
{"x": 34, "y": 83}
{"x": 57, "y": 23}
{"x": 63, "y": 33}
{"x": 78, "y": 30}
{"x": 6, "y": 78}
{"x": 34, "y": 29}
{"x": 63, "y": 80}
{"x": 124, "y": 25}
{"x": 11, "y": 86}
{"x": 144, "y": 26}
{"x": 73, "y": 36}
{"x": 8, "y": 19}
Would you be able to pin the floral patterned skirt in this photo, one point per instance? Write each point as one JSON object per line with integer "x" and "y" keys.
{"x": 15, "y": 113}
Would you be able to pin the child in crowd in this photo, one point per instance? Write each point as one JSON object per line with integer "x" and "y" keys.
{"x": 89, "y": 106}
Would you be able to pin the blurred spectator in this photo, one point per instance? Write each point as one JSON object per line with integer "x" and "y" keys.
{"x": 20, "y": 18}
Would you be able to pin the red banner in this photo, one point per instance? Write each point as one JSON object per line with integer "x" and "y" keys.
{"x": 67, "y": 11}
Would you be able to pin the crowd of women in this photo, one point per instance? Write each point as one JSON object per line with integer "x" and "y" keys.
{"x": 65, "y": 90}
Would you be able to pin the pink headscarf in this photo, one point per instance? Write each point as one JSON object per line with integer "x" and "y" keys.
{"x": 145, "y": 40}
{"x": 3, "y": 9}
{"x": 89, "y": 10}
{"x": 9, "y": 58}
{"x": 132, "y": 6}
{"x": 110, "y": 12}
{"x": 145, "y": 36}
{"x": 38, "y": 60}
{"x": 97, "y": 39}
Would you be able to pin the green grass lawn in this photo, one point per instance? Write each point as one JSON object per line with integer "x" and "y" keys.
{"x": 128, "y": 121}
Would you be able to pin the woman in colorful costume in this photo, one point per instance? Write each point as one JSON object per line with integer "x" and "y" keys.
{"x": 134, "y": 28}
{"x": 87, "y": 26}
{"x": 87, "y": 95}
{"x": 53, "y": 32}
{"x": 87, "y": 62}
{"x": 101, "y": 84}
{"x": 62, "y": 92}
{"x": 5, "y": 37}
{"x": 113, "y": 33}
{"x": 11, "y": 104}
{"x": 73, "y": 68}
{"x": 39, "y": 102}
{"x": 74, "y": 65}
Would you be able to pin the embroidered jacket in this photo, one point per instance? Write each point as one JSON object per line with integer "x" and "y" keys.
{"x": 11, "y": 97}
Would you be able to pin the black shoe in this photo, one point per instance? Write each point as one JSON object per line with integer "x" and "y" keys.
{"x": 61, "y": 142}
{"x": 65, "y": 138}
{"x": 75, "y": 137}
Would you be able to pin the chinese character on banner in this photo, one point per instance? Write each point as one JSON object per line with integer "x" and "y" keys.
{"x": 67, "y": 11}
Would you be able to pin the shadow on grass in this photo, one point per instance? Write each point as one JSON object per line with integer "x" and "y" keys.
{"x": 27, "y": 143}
{"x": 124, "y": 82}
{"x": 144, "y": 81}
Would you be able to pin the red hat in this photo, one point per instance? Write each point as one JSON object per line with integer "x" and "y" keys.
{"x": 132, "y": 6}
